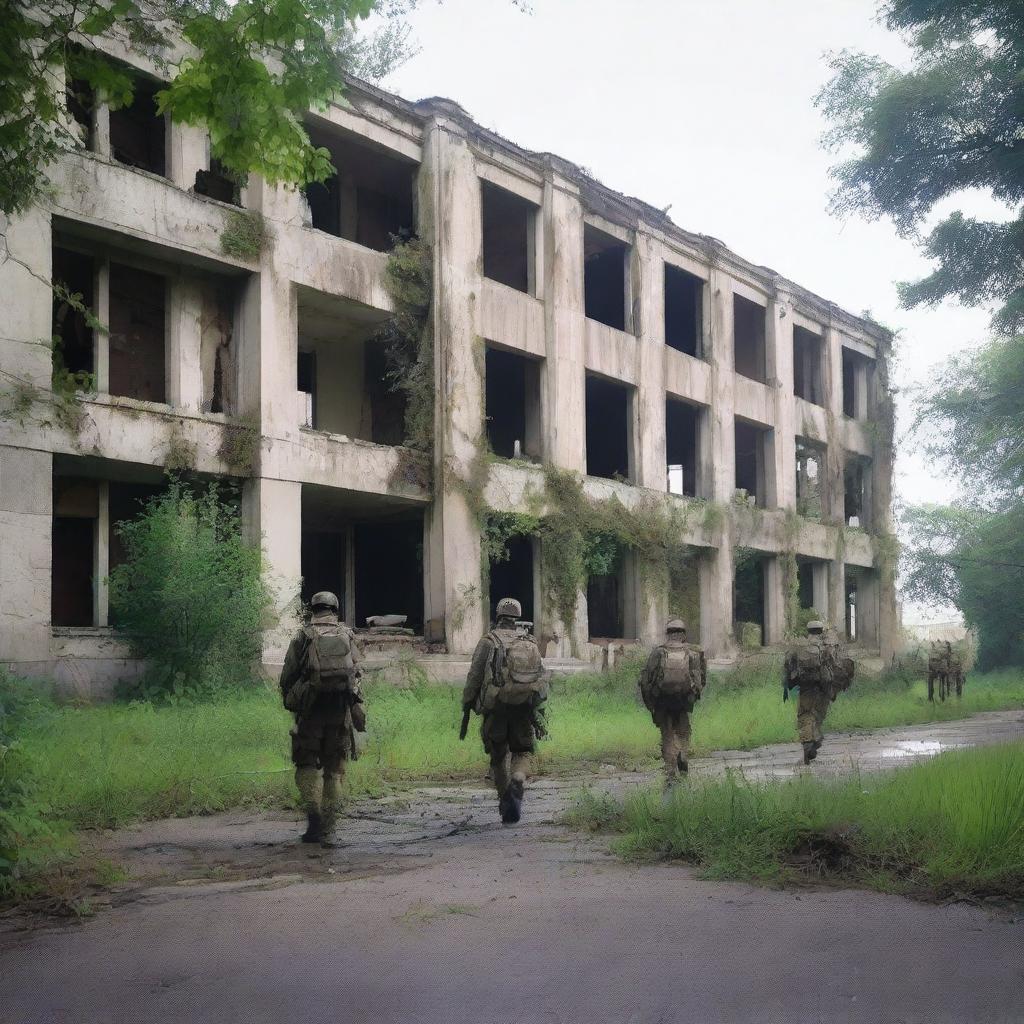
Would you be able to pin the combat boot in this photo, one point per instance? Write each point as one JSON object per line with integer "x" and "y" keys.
{"x": 314, "y": 828}
{"x": 510, "y": 806}
{"x": 810, "y": 752}
{"x": 682, "y": 764}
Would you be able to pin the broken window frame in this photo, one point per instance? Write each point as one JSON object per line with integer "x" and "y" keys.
{"x": 807, "y": 450}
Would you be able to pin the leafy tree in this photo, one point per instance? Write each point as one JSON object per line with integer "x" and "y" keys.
{"x": 190, "y": 596}
{"x": 249, "y": 72}
{"x": 953, "y": 121}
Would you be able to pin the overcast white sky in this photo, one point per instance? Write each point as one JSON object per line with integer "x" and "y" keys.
{"x": 707, "y": 105}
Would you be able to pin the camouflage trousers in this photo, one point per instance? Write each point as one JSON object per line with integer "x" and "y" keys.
{"x": 811, "y": 710}
{"x": 674, "y": 723}
{"x": 509, "y": 740}
{"x": 320, "y": 748}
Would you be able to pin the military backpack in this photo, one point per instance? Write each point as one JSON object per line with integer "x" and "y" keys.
{"x": 680, "y": 674}
{"x": 327, "y": 667}
{"x": 809, "y": 666}
{"x": 518, "y": 676}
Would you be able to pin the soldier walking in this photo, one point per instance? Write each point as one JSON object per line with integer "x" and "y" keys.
{"x": 320, "y": 685}
{"x": 507, "y": 684}
{"x": 671, "y": 684}
{"x": 818, "y": 667}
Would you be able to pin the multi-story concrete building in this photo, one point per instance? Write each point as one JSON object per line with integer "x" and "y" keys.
{"x": 572, "y": 326}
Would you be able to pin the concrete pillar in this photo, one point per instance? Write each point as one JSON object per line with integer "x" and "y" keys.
{"x": 717, "y": 571}
{"x": 101, "y": 338}
{"x": 101, "y": 130}
{"x": 350, "y": 575}
{"x": 868, "y": 609}
{"x": 650, "y": 395}
{"x": 184, "y": 349}
{"x": 272, "y": 517}
{"x": 837, "y": 595}
{"x": 780, "y": 348}
{"x": 188, "y": 151}
{"x": 819, "y": 586}
{"x": 26, "y": 523}
{"x": 101, "y": 556}
{"x": 861, "y": 389}
{"x": 454, "y": 590}
{"x": 835, "y": 462}
{"x": 563, "y": 383}
{"x": 774, "y": 600}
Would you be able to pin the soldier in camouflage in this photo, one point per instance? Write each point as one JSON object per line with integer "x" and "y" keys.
{"x": 509, "y": 731}
{"x": 670, "y": 704}
{"x": 326, "y": 716}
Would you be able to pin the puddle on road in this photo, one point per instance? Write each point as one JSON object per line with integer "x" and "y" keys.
{"x": 917, "y": 748}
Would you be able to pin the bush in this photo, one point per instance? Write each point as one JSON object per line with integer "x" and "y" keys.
{"x": 190, "y": 597}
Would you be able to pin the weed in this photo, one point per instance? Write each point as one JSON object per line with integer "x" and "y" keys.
{"x": 245, "y": 235}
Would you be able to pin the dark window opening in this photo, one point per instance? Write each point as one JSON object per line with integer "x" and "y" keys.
{"x": 512, "y": 404}
{"x": 306, "y": 383}
{"x": 851, "y": 606}
{"x": 810, "y": 480}
{"x": 608, "y": 410}
{"x": 388, "y": 570}
{"x": 749, "y": 601}
{"x": 138, "y": 134}
{"x": 127, "y": 502}
{"x": 218, "y": 183}
{"x": 855, "y": 493}
{"x": 137, "y": 334}
{"x": 684, "y": 311}
{"x": 81, "y": 101}
{"x": 507, "y": 237}
{"x": 71, "y": 596}
{"x": 682, "y": 444}
{"x": 369, "y": 200}
{"x": 322, "y": 561}
{"x": 605, "y": 265}
{"x": 606, "y": 594}
{"x": 849, "y": 384}
{"x": 805, "y": 583}
{"x": 75, "y": 273}
{"x": 749, "y": 339}
{"x": 513, "y": 576}
{"x": 807, "y": 379}
{"x": 751, "y": 459}
{"x": 218, "y": 348}
{"x": 387, "y": 404}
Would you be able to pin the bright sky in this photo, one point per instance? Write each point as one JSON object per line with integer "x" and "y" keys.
{"x": 707, "y": 105}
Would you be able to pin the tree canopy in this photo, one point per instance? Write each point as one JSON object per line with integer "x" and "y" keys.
{"x": 952, "y": 121}
{"x": 249, "y": 71}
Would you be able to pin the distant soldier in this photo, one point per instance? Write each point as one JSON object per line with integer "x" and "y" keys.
{"x": 671, "y": 684}
{"x": 507, "y": 684}
{"x": 819, "y": 668}
{"x": 320, "y": 685}
{"x": 939, "y": 667}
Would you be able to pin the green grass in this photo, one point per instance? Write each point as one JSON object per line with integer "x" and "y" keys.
{"x": 952, "y": 825}
{"x": 109, "y": 765}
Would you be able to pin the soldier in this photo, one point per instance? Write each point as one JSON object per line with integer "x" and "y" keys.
{"x": 819, "y": 668}
{"x": 507, "y": 684}
{"x": 671, "y": 684}
{"x": 320, "y": 684}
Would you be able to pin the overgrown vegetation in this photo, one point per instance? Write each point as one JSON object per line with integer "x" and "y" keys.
{"x": 240, "y": 445}
{"x": 245, "y": 235}
{"x": 953, "y": 825}
{"x": 408, "y": 338}
{"x": 190, "y": 596}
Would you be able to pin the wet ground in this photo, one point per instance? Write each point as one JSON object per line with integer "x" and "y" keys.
{"x": 433, "y": 911}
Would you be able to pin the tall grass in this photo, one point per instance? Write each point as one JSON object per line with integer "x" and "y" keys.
{"x": 952, "y": 824}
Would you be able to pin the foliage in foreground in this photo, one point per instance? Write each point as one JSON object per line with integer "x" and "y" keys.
{"x": 190, "y": 596}
{"x": 951, "y": 825}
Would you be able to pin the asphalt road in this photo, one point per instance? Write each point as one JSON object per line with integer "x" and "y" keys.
{"x": 434, "y": 912}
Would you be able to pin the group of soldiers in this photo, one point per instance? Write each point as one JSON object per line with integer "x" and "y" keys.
{"x": 946, "y": 667}
{"x": 507, "y": 685}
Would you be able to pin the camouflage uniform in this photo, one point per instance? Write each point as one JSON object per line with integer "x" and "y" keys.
{"x": 815, "y": 698}
{"x": 322, "y": 740}
{"x": 671, "y": 715}
{"x": 509, "y": 733}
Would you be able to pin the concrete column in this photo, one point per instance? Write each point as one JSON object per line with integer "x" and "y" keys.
{"x": 350, "y": 575}
{"x": 819, "y": 586}
{"x": 101, "y": 556}
{"x": 454, "y": 591}
{"x": 861, "y": 389}
{"x": 650, "y": 394}
{"x": 868, "y": 609}
{"x": 101, "y": 338}
{"x": 26, "y": 523}
{"x": 101, "y": 130}
{"x": 717, "y": 572}
{"x": 774, "y": 600}
{"x": 272, "y": 517}
{"x": 837, "y": 595}
{"x": 184, "y": 349}
{"x": 563, "y": 385}
{"x": 835, "y": 461}
{"x": 188, "y": 151}
{"x": 780, "y": 347}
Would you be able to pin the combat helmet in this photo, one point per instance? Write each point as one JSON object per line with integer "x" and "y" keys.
{"x": 675, "y": 626}
{"x": 324, "y": 599}
{"x": 508, "y": 608}
{"x": 815, "y": 626}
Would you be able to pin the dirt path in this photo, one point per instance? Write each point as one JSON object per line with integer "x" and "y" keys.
{"x": 432, "y": 911}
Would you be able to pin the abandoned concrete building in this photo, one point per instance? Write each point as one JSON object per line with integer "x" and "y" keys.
{"x": 571, "y": 326}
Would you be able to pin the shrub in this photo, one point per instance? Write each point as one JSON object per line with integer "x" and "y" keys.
{"x": 190, "y": 597}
